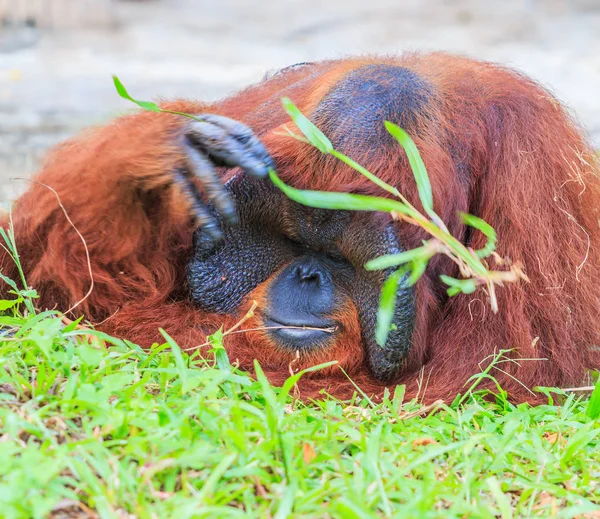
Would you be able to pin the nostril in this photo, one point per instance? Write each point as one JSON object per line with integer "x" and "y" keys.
{"x": 309, "y": 274}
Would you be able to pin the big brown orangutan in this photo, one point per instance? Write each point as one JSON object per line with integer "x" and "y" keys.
{"x": 180, "y": 227}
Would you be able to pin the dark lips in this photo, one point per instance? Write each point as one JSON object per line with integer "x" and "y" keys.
{"x": 303, "y": 335}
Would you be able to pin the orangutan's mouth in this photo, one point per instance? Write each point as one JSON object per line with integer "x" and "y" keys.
{"x": 300, "y": 335}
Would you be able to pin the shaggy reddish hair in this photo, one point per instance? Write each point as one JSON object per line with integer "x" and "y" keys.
{"x": 532, "y": 176}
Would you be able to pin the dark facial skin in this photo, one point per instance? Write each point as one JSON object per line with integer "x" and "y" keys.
{"x": 303, "y": 295}
{"x": 315, "y": 261}
{"x": 315, "y": 258}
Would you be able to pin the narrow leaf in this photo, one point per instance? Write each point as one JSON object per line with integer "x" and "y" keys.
{"x": 216, "y": 473}
{"x": 466, "y": 286}
{"x": 286, "y": 503}
{"x": 486, "y": 229}
{"x": 392, "y": 260}
{"x": 593, "y": 407}
{"x": 72, "y": 325}
{"x": 387, "y": 304}
{"x": 335, "y": 200}
{"x": 179, "y": 362}
{"x": 501, "y": 499}
{"x": 315, "y": 136}
{"x": 417, "y": 269}
{"x": 122, "y": 91}
{"x": 366, "y": 173}
{"x": 9, "y": 282}
{"x": 292, "y": 380}
{"x": 5, "y": 304}
{"x": 216, "y": 341}
{"x": 416, "y": 164}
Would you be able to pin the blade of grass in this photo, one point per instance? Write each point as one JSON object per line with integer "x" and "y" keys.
{"x": 593, "y": 407}
{"x": 182, "y": 369}
{"x": 315, "y": 136}
{"x": 393, "y": 260}
{"x": 486, "y": 229}
{"x": 336, "y": 200}
{"x": 387, "y": 304}
{"x": 416, "y": 164}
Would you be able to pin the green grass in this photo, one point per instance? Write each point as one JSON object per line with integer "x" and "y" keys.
{"x": 95, "y": 427}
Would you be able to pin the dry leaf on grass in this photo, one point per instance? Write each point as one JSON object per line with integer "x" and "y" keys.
{"x": 308, "y": 453}
{"x": 420, "y": 442}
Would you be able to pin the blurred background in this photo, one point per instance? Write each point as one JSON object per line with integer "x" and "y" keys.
{"x": 57, "y": 56}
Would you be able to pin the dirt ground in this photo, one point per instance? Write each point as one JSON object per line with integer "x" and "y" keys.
{"x": 56, "y": 80}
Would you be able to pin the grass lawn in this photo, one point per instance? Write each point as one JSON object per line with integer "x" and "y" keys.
{"x": 95, "y": 427}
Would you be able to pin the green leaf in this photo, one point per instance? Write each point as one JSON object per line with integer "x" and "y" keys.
{"x": 216, "y": 341}
{"x": 335, "y": 200}
{"x": 292, "y": 380}
{"x": 502, "y": 501}
{"x": 416, "y": 164}
{"x": 72, "y": 325}
{"x": 44, "y": 333}
{"x": 122, "y": 91}
{"x": 6, "y": 304}
{"x": 392, "y": 260}
{"x": 350, "y": 510}
{"x": 99, "y": 335}
{"x": 485, "y": 228}
{"x": 593, "y": 407}
{"x": 286, "y": 503}
{"x": 216, "y": 473}
{"x": 366, "y": 173}
{"x": 466, "y": 286}
{"x": 180, "y": 365}
{"x": 90, "y": 356}
{"x": 30, "y": 293}
{"x": 387, "y": 304}
{"x": 273, "y": 407}
{"x": 9, "y": 281}
{"x": 579, "y": 441}
{"x": 417, "y": 269}
{"x": 315, "y": 136}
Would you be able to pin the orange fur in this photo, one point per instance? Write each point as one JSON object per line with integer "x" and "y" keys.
{"x": 534, "y": 177}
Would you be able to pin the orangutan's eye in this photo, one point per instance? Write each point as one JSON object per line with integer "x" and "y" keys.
{"x": 337, "y": 259}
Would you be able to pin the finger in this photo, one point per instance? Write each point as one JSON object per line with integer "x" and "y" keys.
{"x": 235, "y": 128}
{"x": 201, "y": 214}
{"x": 202, "y": 168}
{"x": 244, "y": 135}
{"x": 226, "y": 150}
{"x": 231, "y": 144}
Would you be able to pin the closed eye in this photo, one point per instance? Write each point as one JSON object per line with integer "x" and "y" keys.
{"x": 334, "y": 256}
{"x": 337, "y": 259}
